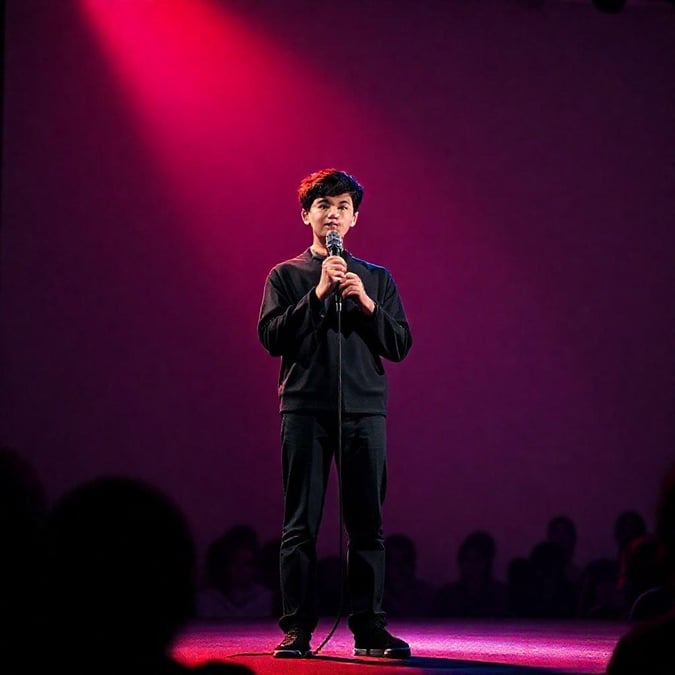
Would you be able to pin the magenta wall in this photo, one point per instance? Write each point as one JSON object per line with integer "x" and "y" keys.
{"x": 518, "y": 165}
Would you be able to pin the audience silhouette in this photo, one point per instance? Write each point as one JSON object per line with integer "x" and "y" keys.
{"x": 642, "y": 579}
{"x": 600, "y": 596}
{"x": 519, "y": 587}
{"x": 476, "y": 593}
{"x": 538, "y": 586}
{"x": 648, "y": 647}
{"x": 120, "y": 564}
{"x": 629, "y": 525}
{"x": 405, "y": 594}
{"x": 561, "y": 530}
{"x": 106, "y": 579}
{"x": 232, "y": 572}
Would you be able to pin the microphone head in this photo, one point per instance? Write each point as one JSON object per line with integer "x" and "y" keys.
{"x": 334, "y": 243}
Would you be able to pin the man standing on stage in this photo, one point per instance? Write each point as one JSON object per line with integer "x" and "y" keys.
{"x": 321, "y": 310}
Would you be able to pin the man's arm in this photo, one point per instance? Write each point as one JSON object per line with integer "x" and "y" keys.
{"x": 284, "y": 321}
{"x": 387, "y": 325}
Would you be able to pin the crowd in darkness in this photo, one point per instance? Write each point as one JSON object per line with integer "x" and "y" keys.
{"x": 241, "y": 578}
{"x": 107, "y": 576}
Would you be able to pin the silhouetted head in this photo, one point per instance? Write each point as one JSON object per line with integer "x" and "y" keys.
{"x": 232, "y": 559}
{"x": 121, "y": 565}
{"x": 562, "y": 531}
{"x": 401, "y": 554}
{"x": 628, "y": 526}
{"x": 329, "y": 183}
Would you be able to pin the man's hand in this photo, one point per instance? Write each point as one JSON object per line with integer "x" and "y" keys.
{"x": 333, "y": 273}
{"x": 352, "y": 287}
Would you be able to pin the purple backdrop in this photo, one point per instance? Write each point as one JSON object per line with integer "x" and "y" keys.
{"x": 518, "y": 165}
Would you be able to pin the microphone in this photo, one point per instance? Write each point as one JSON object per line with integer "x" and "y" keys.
{"x": 334, "y": 243}
{"x": 334, "y": 246}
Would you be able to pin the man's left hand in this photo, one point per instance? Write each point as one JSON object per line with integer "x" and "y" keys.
{"x": 352, "y": 287}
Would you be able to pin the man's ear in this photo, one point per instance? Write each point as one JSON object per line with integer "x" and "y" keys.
{"x": 305, "y": 216}
{"x": 356, "y": 216}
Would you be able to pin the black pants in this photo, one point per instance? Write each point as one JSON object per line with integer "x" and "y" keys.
{"x": 309, "y": 444}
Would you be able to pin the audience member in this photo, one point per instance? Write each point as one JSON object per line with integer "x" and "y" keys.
{"x": 648, "y": 647}
{"x": 599, "y": 594}
{"x": 628, "y": 525}
{"x": 119, "y": 581}
{"x": 476, "y": 593}
{"x": 561, "y": 530}
{"x": 519, "y": 587}
{"x": 551, "y": 595}
{"x": 642, "y": 579}
{"x": 232, "y": 589}
{"x": 106, "y": 580}
{"x": 405, "y": 594}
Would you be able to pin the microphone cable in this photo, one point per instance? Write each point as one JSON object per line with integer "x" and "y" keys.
{"x": 338, "y": 461}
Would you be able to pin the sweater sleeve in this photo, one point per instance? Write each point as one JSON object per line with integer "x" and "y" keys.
{"x": 387, "y": 327}
{"x": 284, "y": 322}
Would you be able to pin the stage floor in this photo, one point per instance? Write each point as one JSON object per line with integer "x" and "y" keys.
{"x": 466, "y": 647}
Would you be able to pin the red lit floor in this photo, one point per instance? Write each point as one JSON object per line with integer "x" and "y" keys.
{"x": 466, "y": 647}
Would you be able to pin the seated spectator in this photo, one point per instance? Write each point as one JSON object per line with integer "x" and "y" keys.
{"x": 561, "y": 530}
{"x": 551, "y": 595}
{"x": 519, "y": 587}
{"x": 628, "y": 525}
{"x": 642, "y": 580}
{"x": 477, "y": 593}
{"x": 232, "y": 589}
{"x": 648, "y": 647}
{"x": 405, "y": 594}
{"x": 120, "y": 582}
{"x": 599, "y": 594}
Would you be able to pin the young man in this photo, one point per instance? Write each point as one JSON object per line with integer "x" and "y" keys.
{"x": 316, "y": 308}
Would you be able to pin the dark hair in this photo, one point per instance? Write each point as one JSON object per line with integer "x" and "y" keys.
{"x": 404, "y": 544}
{"x": 329, "y": 183}
{"x": 223, "y": 551}
{"x": 627, "y": 526}
{"x": 564, "y": 521}
{"x": 120, "y": 569}
{"x": 481, "y": 542}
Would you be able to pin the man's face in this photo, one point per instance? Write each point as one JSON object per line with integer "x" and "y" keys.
{"x": 330, "y": 213}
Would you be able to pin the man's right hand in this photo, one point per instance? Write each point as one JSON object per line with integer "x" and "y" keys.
{"x": 333, "y": 271}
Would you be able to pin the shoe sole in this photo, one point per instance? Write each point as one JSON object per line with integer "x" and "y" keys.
{"x": 399, "y": 653}
{"x": 290, "y": 654}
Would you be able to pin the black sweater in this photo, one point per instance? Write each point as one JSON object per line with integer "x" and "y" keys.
{"x": 297, "y": 326}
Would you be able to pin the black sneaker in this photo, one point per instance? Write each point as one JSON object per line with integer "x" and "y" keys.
{"x": 377, "y": 641}
{"x": 295, "y": 645}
